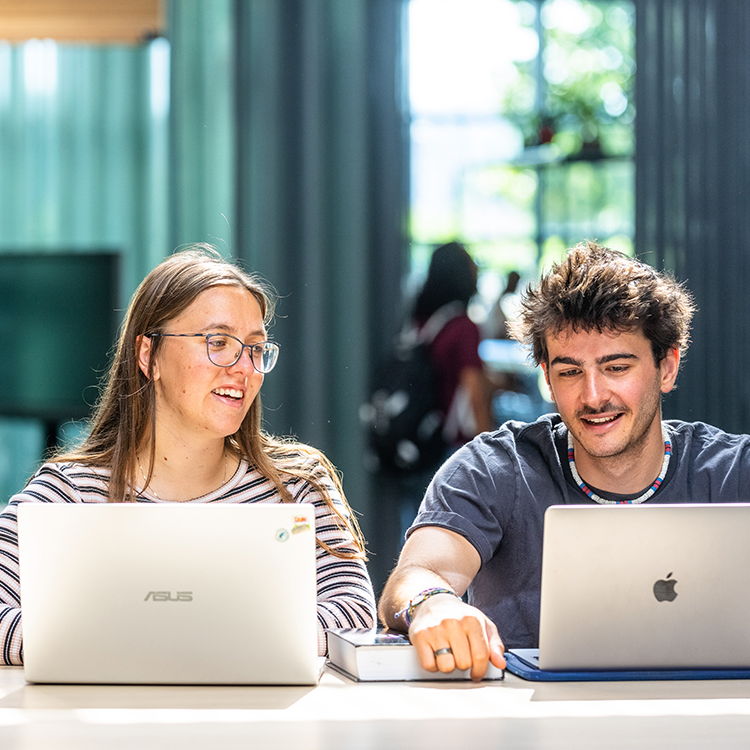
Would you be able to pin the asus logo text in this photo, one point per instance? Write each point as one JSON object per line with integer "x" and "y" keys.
{"x": 169, "y": 596}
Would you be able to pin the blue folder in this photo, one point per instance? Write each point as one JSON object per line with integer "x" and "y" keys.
{"x": 528, "y": 670}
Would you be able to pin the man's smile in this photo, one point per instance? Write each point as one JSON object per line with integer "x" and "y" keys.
{"x": 607, "y": 414}
{"x": 601, "y": 420}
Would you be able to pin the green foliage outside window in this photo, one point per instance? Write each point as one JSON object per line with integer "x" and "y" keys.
{"x": 585, "y": 96}
{"x": 558, "y": 133}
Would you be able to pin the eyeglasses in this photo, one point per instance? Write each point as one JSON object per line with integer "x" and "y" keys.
{"x": 224, "y": 350}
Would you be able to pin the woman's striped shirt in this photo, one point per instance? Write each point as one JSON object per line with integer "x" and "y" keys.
{"x": 344, "y": 591}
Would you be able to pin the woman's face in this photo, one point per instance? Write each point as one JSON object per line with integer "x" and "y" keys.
{"x": 194, "y": 397}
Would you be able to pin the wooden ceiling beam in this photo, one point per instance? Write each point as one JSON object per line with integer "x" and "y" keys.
{"x": 82, "y": 21}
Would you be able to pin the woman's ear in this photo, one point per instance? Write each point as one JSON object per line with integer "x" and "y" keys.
{"x": 143, "y": 352}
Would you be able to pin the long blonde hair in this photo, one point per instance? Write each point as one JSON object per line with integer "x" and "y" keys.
{"x": 124, "y": 420}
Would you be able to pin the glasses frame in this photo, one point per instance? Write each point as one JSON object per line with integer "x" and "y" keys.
{"x": 207, "y": 336}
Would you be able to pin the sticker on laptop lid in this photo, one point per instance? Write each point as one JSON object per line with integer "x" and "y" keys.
{"x": 301, "y": 523}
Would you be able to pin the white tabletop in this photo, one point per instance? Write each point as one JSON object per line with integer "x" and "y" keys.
{"x": 342, "y": 714}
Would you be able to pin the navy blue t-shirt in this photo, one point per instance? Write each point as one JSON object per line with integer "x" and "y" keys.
{"x": 495, "y": 489}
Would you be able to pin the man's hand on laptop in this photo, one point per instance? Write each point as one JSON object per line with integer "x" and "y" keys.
{"x": 450, "y": 634}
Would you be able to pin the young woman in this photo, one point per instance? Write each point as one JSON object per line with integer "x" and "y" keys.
{"x": 179, "y": 420}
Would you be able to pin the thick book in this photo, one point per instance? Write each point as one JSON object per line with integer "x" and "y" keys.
{"x": 370, "y": 655}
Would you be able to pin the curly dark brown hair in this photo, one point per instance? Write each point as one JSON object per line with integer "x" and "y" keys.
{"x": 595, "y": 288}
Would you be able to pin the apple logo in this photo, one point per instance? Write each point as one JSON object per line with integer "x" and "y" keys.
{"x": 664, "y": 589}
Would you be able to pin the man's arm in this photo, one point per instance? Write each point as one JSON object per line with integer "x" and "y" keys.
{"x": 479, "y": 388}
{"x": 438, "y": 558}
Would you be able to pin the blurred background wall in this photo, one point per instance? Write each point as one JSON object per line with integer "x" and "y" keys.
{"x": 293, "y": 133}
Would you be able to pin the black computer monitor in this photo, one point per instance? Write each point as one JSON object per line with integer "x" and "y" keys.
{"x": 58, "y": 321}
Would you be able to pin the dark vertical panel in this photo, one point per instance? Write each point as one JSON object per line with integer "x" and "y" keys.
{"x": 732, "y": 25}
{"x": 350, "y": 191}
{"x": 696, "y": 220}
{"x": 321, "y": 205}
{"x": 314, "y": 304}
{"x": 271, "y": 192}
{"x": 388, "y": 158}
{"x": 692, "y": 188}
{"x": 389, "y": 163}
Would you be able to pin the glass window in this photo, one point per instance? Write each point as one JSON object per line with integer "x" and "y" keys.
{"x": 521, "y": 130}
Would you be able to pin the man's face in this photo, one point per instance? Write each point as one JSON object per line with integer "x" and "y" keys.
{"x": 608, "y": 389}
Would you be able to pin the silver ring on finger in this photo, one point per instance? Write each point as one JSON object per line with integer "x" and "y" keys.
{"x": 442, "y": 651}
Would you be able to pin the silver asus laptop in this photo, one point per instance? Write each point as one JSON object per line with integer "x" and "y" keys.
{"x": 645, "y": 587}
{"x": 169, "y": 594}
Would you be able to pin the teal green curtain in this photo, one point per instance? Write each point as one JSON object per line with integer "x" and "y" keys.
{"x": 83, "y": 167}
{"x": 202, "y": 123}
{"x": 83, "y": 151}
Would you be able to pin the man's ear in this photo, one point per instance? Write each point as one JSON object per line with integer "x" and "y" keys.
{"x": 143, "y": 352}
{"x": 669, "y": 367}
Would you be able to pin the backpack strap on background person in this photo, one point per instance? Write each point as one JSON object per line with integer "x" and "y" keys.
{"x": 436, "y": 322}
{"x": 403, "y": 416}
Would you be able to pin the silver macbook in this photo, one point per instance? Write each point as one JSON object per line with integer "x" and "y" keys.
{"x": 645, "y": 587}
{"x": 169, "y": 594}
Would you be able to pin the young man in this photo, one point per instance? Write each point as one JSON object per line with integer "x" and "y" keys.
{"x": 608, "y": 332}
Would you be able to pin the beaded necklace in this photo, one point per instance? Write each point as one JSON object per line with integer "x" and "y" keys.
{"x": 645, "y": 496}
